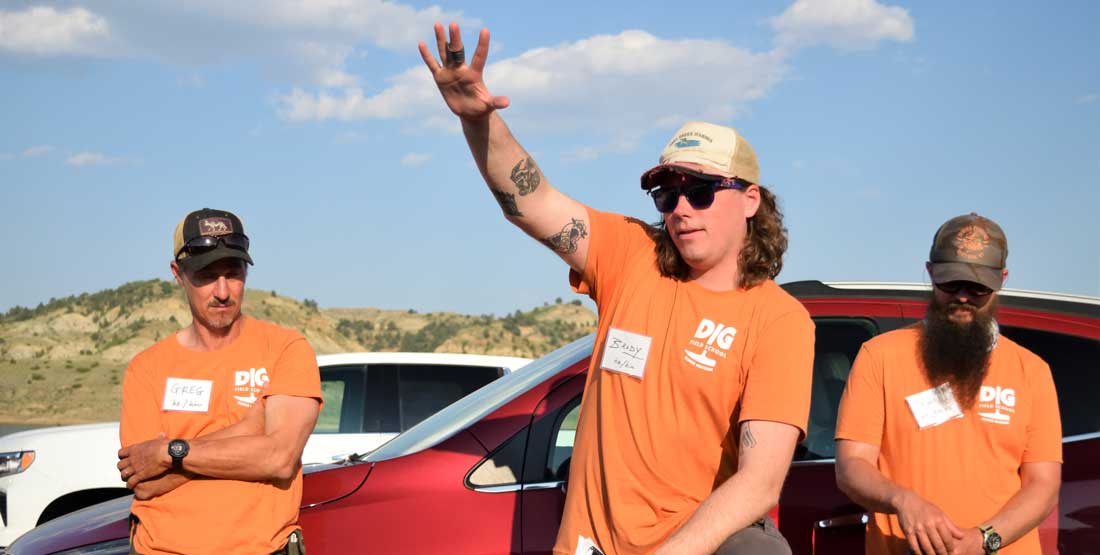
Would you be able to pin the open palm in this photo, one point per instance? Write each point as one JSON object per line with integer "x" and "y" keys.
{"x": 461, "y": 84}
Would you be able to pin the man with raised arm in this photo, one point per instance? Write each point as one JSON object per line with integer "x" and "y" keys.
{"x": 215, "y": 416}
{"x": 699, "y": 387}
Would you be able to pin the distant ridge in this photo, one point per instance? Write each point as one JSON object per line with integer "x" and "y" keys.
{"x": 62, "y": 361}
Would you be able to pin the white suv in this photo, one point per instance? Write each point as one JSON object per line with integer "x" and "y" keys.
{"x": 369, "y": 398}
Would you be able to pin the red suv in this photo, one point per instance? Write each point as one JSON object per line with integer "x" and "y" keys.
{"x": 487, "y": 473}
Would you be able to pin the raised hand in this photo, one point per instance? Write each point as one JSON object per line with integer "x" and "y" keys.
{"x": 461, "y": 84}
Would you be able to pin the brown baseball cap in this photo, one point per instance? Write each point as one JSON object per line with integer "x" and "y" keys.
{"x": 708, "y": 150}
{"x": 208, "y": 235}
{"x": 969, "y": 248}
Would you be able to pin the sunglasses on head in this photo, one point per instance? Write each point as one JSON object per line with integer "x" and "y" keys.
{"x": 207, "y": 243}
{"x": 971, "y": 288}
{"x": 666, "y": 187}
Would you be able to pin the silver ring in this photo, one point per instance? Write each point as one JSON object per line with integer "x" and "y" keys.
{"x": 456, "y": 57}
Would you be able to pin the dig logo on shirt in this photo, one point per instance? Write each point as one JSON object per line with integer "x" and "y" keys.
{"x": 710, "y": 337}
{"x": 1002, "y": 402}
{"x": 248, "y": 381}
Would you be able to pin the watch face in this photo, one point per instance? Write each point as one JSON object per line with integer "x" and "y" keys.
{"x": 993, "y": 541}
{"x": 177, "y": 449}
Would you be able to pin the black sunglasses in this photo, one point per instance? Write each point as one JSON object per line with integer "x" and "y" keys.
{"x": 971, "y": 288}
{"x": 207, "y": 243}
{"x": 666, "y": 187}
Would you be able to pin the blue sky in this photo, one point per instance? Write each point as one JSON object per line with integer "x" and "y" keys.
{"x": 316, "y": 122}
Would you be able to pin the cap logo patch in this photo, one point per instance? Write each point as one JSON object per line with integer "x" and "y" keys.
{"x": 215, "y": 226}
{"x": 684, "y": 142}
{"x": 970, "y": 242}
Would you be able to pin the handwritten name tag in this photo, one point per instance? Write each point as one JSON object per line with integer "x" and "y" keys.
{"x": 185, "y": 395}
{"x": 625, "y": 352}
{"x": 935, "y": 406}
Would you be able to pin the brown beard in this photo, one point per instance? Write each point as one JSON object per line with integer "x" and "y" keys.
{"x": 957, "y": 353}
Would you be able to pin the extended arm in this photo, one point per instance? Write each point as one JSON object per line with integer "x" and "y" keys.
{"x": 515, "y": 180}
{"x": 763, "y": 458}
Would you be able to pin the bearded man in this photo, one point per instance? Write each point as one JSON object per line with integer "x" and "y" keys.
{"x": 948, "y": 431}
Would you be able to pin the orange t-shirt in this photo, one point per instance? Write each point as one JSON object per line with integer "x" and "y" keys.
{"x": 675, "y": 367}
{"x": 215, "y": 515}
{"x": 969, "y": 467}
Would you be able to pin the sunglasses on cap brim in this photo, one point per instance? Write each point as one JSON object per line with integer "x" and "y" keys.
{"x": 666, "y": 186}
{"x": 206, "y": 243}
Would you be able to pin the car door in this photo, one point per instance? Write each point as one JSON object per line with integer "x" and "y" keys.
{"x": 1074, "y": 359}
{"x": 814, "y": 515}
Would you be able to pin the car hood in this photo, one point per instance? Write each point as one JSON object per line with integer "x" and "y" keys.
{"x": 106, "y": 521}
{"x": 110, "y": 520}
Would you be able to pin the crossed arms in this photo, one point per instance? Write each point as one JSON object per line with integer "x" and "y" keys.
{"x": 265, "y": 445}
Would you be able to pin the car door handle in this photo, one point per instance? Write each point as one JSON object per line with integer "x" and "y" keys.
{"x": 841, "y": 521}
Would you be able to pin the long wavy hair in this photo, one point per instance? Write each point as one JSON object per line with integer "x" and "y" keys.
{"x": 761, "y": 255}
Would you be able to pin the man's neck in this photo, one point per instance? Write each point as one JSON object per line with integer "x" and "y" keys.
{"x": 198, "y": 337}
{"x": 717, "y": 279}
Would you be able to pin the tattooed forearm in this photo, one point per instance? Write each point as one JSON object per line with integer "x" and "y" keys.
{"x": 525, "y": 175}
{"x": 748, "y": 441}
{"x": 566, "y": 240}
{"x": 507, "y": 202}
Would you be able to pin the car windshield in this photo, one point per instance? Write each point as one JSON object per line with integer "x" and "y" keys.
{"x": 475, "y": 406}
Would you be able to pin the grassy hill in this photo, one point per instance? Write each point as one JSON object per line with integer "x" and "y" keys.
{"x": 62, "y": 361}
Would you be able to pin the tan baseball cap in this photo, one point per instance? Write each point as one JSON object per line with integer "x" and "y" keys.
{"x": 708, "y": 150}
{"x": 969, "y": 248}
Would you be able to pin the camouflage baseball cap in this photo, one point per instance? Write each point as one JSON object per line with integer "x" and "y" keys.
{"x": 206, "y": 236}
{"x": 969, "y": 248}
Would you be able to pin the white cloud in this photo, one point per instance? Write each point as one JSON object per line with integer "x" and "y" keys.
{"x": 295, "y": 41}
{"x": 1088, "y": 99}
{"x": 45, "y": 31}
{"x": 415, "y": 159}
{"x": 38, "y": 150}
{"x": 615, "y": 87}
{"x": 93, "y": 159}
{"x": 843, "y": 24}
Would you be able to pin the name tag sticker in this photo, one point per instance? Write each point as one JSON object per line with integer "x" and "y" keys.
{"x": 185, "y": 395}
{"x": 625, "y": 352}
{"x": 935, "y": 406}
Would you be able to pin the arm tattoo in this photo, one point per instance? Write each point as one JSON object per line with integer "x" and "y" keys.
{"x": 507, "y": 202}
{"x": 748, "y": 441}
{"x": 525, "y": 175}
{"x": 565, "y": 241}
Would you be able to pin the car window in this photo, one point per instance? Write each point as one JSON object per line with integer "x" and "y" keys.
{"x": 835, "y": 347}
{"x": 342, "y": 391}
{"x": 1075, "y": 364}
{"x": 425, "y": 389}
{"x": 504, "y": 466}
{"x": 561, "y": 450}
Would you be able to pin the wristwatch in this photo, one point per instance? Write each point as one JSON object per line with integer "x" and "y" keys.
{"x": 991, "y": 540}
{"x": 178, "y": 449}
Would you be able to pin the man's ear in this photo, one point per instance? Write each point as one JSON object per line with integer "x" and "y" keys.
{"x": 176, "y": 272}
{"x": 752, "y": 200}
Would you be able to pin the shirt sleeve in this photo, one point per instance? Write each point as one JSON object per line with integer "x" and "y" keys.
{"x": 140, "y": 419}
{"x": 613, "y": 238}
{"x": 295, "y": 371}
{"x": 862, "y": 412}
{"x": 777, "y": 387}
{"x": 1044, "y": 429}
